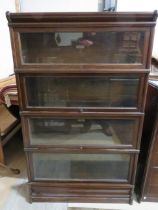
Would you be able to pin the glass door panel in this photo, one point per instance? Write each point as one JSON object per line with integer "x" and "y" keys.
{"x": 86, "y": 91}
{"x": 110, "y": 47}
{"x": 102, "y": 167}
{"x": 89, "y": 132}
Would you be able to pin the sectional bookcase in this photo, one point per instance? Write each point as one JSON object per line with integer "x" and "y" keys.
{"x": 82, "y": 82}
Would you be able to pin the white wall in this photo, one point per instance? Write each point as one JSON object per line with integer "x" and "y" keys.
{"x": 6, "y": 61}
{"x": 141, "y": 5}
{"x": 137, "y": 5}
{"x": 59, "y": 5}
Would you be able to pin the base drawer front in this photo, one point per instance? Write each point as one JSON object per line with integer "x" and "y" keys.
{"x": 81, "y": 131}
{"x": 107, "y": 91}
{"x": 151, "y": 188}
{"x": 83, "y": 193}
{"x": 154, "y": 158}
{"x": 152, "y": 191}
{"x": 81, "y": 167}
{"x": 153, "y": 177}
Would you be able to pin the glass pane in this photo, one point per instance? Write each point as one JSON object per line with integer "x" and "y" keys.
{"x": 83, "y": 47}
{"x": 90, "y": 91}
{"x": 81, "y": 166}
{"x": 98, "y": 132}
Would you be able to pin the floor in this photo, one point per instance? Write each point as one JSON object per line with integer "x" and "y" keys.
{"x": 14, "y": 194}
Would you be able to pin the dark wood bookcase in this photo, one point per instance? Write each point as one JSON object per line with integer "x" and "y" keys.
{"x": 147, "y": 173}
{"x": 82, "y": 82}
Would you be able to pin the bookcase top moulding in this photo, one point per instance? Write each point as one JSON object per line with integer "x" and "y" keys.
{"x": 38, "y": 17}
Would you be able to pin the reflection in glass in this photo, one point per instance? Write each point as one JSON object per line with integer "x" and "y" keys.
{"x": 92, "y": 132}
{"x": 83, "y": 47}
{"x": 90, "y": 91}
{"x": 108, "y": 167}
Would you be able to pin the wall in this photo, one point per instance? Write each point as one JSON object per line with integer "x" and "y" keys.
{"x": 59, "y": 5}
{"x": 6, "y": 64}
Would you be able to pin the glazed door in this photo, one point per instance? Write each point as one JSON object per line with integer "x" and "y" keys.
{"x": 92, "y": 132}
{"x": 113, "y": 47}
{"x": 116, "y": 48}
{"x": 81, "y": 167}
{"x": 105, "y": 91}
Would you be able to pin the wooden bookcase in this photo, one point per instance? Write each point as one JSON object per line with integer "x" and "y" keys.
{"x": 147, "y": 182}
{"x": 82, "y": 82}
